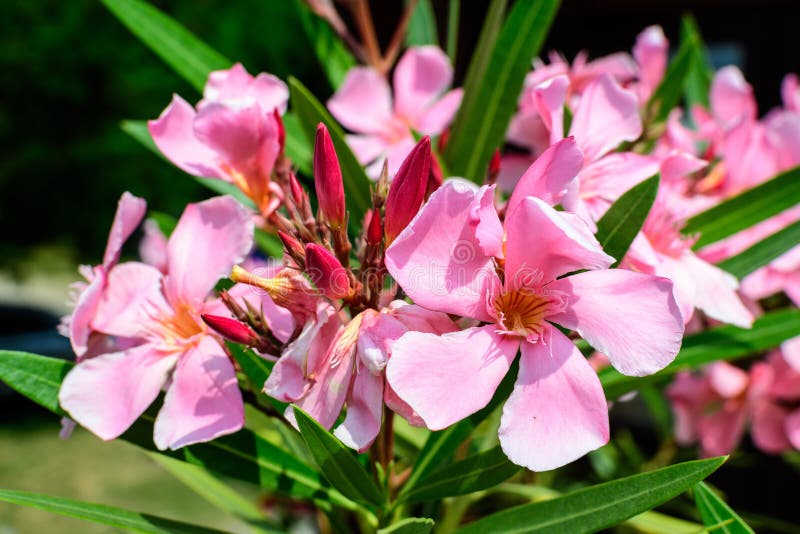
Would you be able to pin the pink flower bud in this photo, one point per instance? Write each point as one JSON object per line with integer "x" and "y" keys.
{"x": 407, "y": 192}
{"x": 293, "y": 247}
{"x": 326, "y": 272}
{"x": 298, "y": 195}
{"x": 374, "y": 230}
{"x": 328, "y": 179}
{"x": 231, "y": 329}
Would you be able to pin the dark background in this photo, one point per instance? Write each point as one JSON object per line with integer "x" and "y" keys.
{"x": 70, "y": 72}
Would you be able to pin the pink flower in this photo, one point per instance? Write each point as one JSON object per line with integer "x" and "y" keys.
{"x": 108, "y": 392}
{"x": 331, "y": 365}
{"x": 234, "y": 134}
{"x": 87, "y": 295}
{"x": 448, "y": 260}
{"x": 384, "y": 124}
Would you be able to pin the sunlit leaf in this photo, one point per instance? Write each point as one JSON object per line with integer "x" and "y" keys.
{"x": 410, "y": 525}
{"x": 617, "y": 228}
{"x": 717, "y": 516}
{"x": 763, "y": 252}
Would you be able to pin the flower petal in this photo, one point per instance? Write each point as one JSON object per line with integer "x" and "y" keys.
{"x": 437, "y": 259}
{"x": 364, "y": 411}
{"x": 130, "y": 212}
{"x": 716, "y": 292}
{"x": 560, "y": 244}
{"x": 107, "y": 393}
{"x": 363, "y": 103}
{"x": 732, "y": 99}
{"x": 421, "y": 75}
{"x": 436, "y": 118}
{"x": 446, "y": 378}
{"x": 211, "y": 237}
{"x": 173, "y": 134}
{"x": 557, "y": 411}
{"x": 237, "y": 135}
{"x": 203, "y": 401}
{"x": 631, "y": 317}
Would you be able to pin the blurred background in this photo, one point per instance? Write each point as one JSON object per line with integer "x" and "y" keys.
{"x": 70, "y": 73}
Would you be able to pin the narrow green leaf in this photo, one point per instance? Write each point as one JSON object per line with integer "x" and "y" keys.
{"x": 617, "y": 228}
{"x": 310, "y": 113}
{"x": 298, "y": 149}
{"x": 721, "y": 343}
{"x": 36, "y": 377}
{"x": 601, "y": 506}
{"x": 453, "y": 18}
{"x": 478, "y": 472}
{"x": 698, "y": 82}
{"x": 440, "y": 445}
{"x": 332, "y": 55}
{"x": 422, "y": 25}
{"x": 337, "y": 462}
{"x": 717, "y": 515}
{"x": 490, "y": 96}
{"x": 216, "y": 492}
{"x": 763, "y": 252}
{"x": 243, "y": 455}
{"x": 180, "y": 49}
{"x": 746, "y": 209}
{"x": 410, "y": 525}
{"x": 99, "y": 513}
{"x": 668, "y": 93}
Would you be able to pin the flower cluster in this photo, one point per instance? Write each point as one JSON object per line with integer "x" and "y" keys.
{"x": 422, "y": 307}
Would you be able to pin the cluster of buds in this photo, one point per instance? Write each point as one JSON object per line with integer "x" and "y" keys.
{"x": 320, "y": 260}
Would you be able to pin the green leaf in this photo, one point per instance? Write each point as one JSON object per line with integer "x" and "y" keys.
{"x": 617, "y": 228}
{"x": 601, "y": 506}
{"x": 746, "y": 209}
{"x": 493, "y": 84}
{"x": 440, "y": 445}
{"x": 717, "y": 515}
{"x": 298, "y": 149}
{"x": 422, "y": 25}
{"x": 410, "y": 525}
{"x": 243, "y": 455}
{"x": 310, "y": 113}
{"x": 721, "y": 343}
{"x": 763, "y": 252}
{"x": 180, "y": 49}
{"x": 99, "y": 513}
{"x": 668, "y": 93}
{"x": 478, "y": 472}
{"x": 216, "y": 492}
{"x": 332, "y": 54}
{"x": 453, "y": 17}
{"x": 337, "y": 462}
{"x": 36, "y": 377}
{"x": 698, "y": 82}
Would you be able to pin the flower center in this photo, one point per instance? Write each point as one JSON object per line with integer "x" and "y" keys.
{"x": 179, "y": 329}
{"x": 523, "y": 311}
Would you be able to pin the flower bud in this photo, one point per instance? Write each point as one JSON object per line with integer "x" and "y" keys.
{"x": 298, "y": 195}
{"x": 328, "y": 179}
{"x": 494, "y": 163}
{"x": 231, "y": 329}
{"x": 407, "y": 192}
{"x": 293, "y": 247}
{"x": 374, "y": 230}
{"x": 326, "y": 272}
{"x": 288, "y": 289}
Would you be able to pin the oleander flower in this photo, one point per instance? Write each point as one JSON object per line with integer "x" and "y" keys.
{"x": 457, "y": 257}
{"x": 174, "y": 348}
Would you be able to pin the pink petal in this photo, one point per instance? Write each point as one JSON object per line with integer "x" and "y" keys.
{"x": 446, "y": 378}
{"x": 130, "y": 212}
{"x": 421, "y": 319}
{"x": 606, "y": 116}
{"x": 436, "y": 118}
{"x": 422, "y": 74}
{"x": 727, "y": 380}
{"x": 732, "y": 99}
{"x": 153, "y": 247}
{"x": 557, "y": 411}
{"x": 401, "y": 407}
{"x": 721, "y": 430}
{"x": 211, "y": 237}
{"x": 791, "y": 353}
{"x": 203, "y": 401}
{"x": 132, "y": 301}
{"x": 364, "y": 411}
{"x": 650, "y": 53}
{"x": 366, "y": 148}
{"x": 549, "y": 175}
{"x": 716, "y": 292}
{"x": 768, "y": 427}
{"x": 550, "y": 98}
{"x": 235, "y": 134}
{"x": 236, "y": 85}
{"x": 173, "y": 134}
{"x": 792, "y": 428}
{"x": 363, "y": 103}
{"x": 107, "y": 393}
{"x": 790, "y": 92}
{"x": 437, "y": 259}
{"x": 630, "y": 317}
{"x": 84, "y": 313}
{"x": 606, "y": 179}
{"x": 561, "y": 244}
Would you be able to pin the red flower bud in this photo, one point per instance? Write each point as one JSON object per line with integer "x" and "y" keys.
{"x": 407, "y": 192}
{"x": 326, "y": 272}
{"x": 293, "y": 247}
{"x": 328, "y": 179}
{"x": 374, "y": 230}
{"x": 494, "y": 164}
{"x": 281, "y": 130}
{"x": 298, "y": 195}
{"x": 231, "y": 329}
